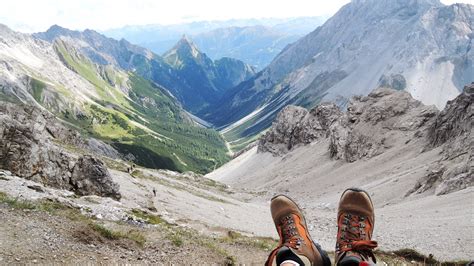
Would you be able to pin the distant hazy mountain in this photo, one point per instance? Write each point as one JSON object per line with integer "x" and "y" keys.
{"x": 421, "y": 46}
{"x": 255, "y": 45}
{"x": 254, "y": 41}
{"x": 95, "y": 84}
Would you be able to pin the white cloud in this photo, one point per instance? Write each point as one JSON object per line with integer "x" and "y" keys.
{"x": 38, "y": 15}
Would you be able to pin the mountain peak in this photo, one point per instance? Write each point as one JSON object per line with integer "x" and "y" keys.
{"x": 186, "y": 43}
{"x": 54, "y": 29}
{"x": 184, "y": 48}
{"x": 185, "y": 39}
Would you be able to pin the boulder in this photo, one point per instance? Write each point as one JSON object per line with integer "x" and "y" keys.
{"x": 91, "y": 177}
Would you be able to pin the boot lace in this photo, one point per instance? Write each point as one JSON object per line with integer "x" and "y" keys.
{"x": 354, "y": 236}
{"x": 291, "y": 237}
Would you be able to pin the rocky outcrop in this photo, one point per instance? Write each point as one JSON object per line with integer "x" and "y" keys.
{"x": 453, "y": 131}
{"x": 362, "y": 132}
{"x": 371, "y": 123}
{"x": 295, "y": 125}
{"x": 90, "y": 176}
{"x": 454, "y": 124}
{"x": 51, "y": 127}
{"x": 379, "y": 121}
{"x": 29, "y": 148}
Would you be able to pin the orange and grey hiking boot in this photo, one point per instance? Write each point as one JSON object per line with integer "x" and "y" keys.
{"x": 355, "y": 221}
{"x": 295, "y": 242}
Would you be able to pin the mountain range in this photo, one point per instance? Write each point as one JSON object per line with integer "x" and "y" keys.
{"x": 121, "y": 93}
{"x": 254, "y": 41}
{"x": 422, "y": 46}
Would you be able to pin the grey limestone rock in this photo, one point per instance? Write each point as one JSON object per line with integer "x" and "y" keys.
{"x": 91, "y": 177}
{"x": 295, "y": 126}
{"x": 29, "y": 148}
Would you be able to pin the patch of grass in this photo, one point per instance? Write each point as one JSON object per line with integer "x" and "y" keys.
{"x": 133, "y": 235}
{"x": 148, "y": 217}
{"x": 51, "y": 206}
{"x": 263, "y": 243}
{"x": 16, "y": 203}
{"x": 45, "y": 205}
{"x": 176, "y": 239}
{"x": 414, "y": 255}
{"x": 115, "y": 164}
{"x": 137, "y": 237}
{"x": 57, "y": 208}
{"x": 411, "y": 257}
{"x": 91, "y": 200}
{"x": 105, "y": 232}
{"x": 37, "y": 86}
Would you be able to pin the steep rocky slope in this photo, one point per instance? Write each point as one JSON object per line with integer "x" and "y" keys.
{"x": 423, "y": 47}
{"x": 415, "y": 161}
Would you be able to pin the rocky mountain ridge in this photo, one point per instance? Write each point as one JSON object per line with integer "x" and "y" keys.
{"x": 209, "y": 79}
{"x": 423, "y": 47}
{"x": 369, "y": 127}
{"x": 194, "y": 88}
{"x": 255, "y": 45}
{"x": 253, "y": 41}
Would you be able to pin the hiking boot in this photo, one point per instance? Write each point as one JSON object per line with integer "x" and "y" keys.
{"x": 355, "y": 222}
{"x": 295, "y": 242}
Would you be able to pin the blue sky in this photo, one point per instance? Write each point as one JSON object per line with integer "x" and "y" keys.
{"x": 38, "y": 15}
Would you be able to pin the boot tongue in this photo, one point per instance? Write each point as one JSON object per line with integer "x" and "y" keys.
{"x": 285, "y": 254}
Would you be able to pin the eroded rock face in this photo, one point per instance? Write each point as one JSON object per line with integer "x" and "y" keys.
{"x": 27, "y": 150}
{"x": 365, "y": 130}
{"x": 454, "y": 124}
{"x": 90, "y": 176}
{"x": 381, "y": 120}
{"x": 295, "y": 125}
{"x": 452, "y": 129}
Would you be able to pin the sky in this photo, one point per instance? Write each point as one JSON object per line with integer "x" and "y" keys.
{"x": 39, "y": 15}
